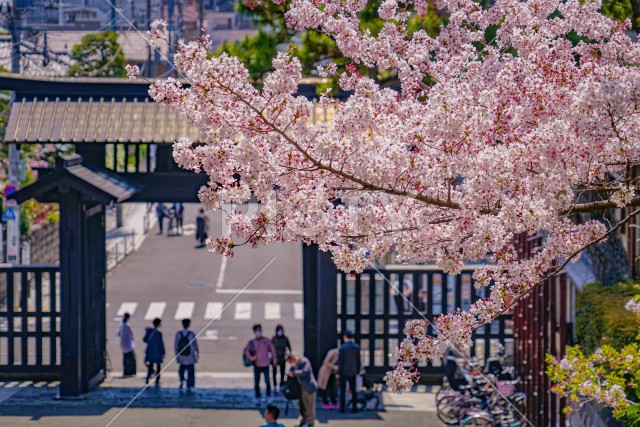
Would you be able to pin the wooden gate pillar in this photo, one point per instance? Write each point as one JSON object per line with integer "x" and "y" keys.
{"x": 320, "y": 294}
{"x": 71, "y": 294}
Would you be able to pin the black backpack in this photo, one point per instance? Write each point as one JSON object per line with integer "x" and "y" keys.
{"x": 291, "y": 389}
{"x": 184, "y": 345}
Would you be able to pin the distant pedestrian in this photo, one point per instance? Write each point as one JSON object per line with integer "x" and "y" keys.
{"x": 271, "y": 415}
{"x": 127, "y": 344}
{"x": 327, "y": 380}
{"x": 260, "y": 351}
{"x": 186, "y": 347}
{"x": 161, "y": 213}
{"x": 283, "y": 346}
{"x": 178, "y": 213}
{"x": 154, "y": 354}
{"x": 301, "y": 368}
{"x": 349, "y": 366}
{"x": 202, "y": 228}
{"x": 422, "y": 301}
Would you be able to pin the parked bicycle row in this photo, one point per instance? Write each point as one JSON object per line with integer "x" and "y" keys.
{"x": 475, "y": 396}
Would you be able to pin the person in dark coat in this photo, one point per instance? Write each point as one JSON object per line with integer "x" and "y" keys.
{"x": 154, "y": 354}
{"x": 161, "y": 212}
{"x": 283, "y": 346}
{"x": 349, "y": 366}
{"x": 202, "y": 228}
{"x": 178, "y": 212}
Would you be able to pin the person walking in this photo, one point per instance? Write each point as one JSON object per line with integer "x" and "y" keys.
{"x": 186, "y": 347}
{"x": 349, "y": 365}
{"x": 260, "y": 351}
{"x": 161, "y": 213}
{"x": 301, "y": 368}
{"x": 127, "y": 344}
{"x": 282, "y": 346}
{"x": 327, "y": 380}
{"x": 154, "y": 354}
{"x": 202, "y": 228}
{"x": 178, "y": 212}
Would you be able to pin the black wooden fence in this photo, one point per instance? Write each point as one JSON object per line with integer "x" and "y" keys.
{"x": 369, "y": 306}
{"x": 30, "y": 322}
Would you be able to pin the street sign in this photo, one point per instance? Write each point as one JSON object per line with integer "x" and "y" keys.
{"x": 9, "y": 215}
{"x": 13, "y": 232}
{"x": 9, "y": 189}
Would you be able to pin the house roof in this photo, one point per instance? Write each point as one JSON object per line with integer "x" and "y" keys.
{"x": 95, "y": 120}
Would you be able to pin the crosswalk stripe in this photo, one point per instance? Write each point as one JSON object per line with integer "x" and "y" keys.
{"x": 127, "y": 307}
{"x": 271, "y": 310}
{"x": 155, "y": 310}
{"x": 213, "y": 310}
{"x": 243, "y": 311}
{"x": 184, "y": 311}
{"x": 297, "y": 310}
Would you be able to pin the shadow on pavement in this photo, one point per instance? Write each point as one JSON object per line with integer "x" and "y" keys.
{"x": 39, "y": 403}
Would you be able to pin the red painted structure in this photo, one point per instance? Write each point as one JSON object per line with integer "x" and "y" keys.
{"x": 542, "y": 325}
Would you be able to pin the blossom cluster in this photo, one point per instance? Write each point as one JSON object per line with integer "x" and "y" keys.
{"x": 606, "y": 376}
{"x": 487, "y": 139}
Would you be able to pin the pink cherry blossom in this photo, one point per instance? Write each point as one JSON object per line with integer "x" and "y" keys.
{"x": 486, "y": 139}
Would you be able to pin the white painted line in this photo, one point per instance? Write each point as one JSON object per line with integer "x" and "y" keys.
{"x": 25, "y": 384}
{"x": 12, "y": 384}
{"x": 213, "y": 311}
{"x": 127, "y": 307}
{"x": 206, "y": 375}
{"x": 155, "y": 310}
{"x": 271, "y": 310}
{"x": 40, "y": 384}
{"x": 297, "y": 310}
{"x": 260, "y": 291}
{"x": 184, "y": 311}
{"x": 243, "y": 311}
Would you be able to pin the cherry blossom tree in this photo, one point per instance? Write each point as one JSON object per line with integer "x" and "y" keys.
{"x": 504, "y": 119}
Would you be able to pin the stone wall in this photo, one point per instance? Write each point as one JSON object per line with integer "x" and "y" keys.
{"x": 44, "y": 242}
{"x": 592, "y": 415}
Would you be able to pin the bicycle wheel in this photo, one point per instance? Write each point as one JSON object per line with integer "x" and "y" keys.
{"x": 448, "y": 409}
{"x": 478, "y": 420}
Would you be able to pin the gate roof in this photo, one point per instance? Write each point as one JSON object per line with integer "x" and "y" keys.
{"x": 95, "y": 120}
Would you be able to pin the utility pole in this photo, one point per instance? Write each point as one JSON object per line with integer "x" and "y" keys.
{"x": 8, "y": 8}
{"x": 170, "y": 7}
{"x": 113, "y": 16}
{"x": 133, "y": 13}
{"x": 201, "y": 18}
{"x": 148, "y": 71}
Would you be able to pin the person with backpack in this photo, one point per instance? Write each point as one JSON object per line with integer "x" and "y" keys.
{"x": 126, "y": 344}
{"x": 302, "y": 370}
{"x": 186, "y": 347}
{"x": 154, "y": 353}
{"x": 282, "y": 345}
{"x": 260, "y": 353}
{"x": 349, "y": 366}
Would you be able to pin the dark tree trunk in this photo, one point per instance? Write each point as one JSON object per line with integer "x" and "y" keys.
{"x": 610, "y": 261}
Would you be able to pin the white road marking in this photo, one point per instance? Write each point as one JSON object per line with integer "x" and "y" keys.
{"x": 127, "y": 307}
{"x": 243, "y": 311}
{"x": 297, "y": 310}
{"x": 184, "y": 311}
{"x": 271, "y": 310}
{"x": 260, "y": 291}
{"x": 213, "y": 311}
{"x": 207, "y": 375}
{"x": 155, "y": 310}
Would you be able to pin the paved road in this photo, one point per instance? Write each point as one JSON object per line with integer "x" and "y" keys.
{"x": 168, "y": 277}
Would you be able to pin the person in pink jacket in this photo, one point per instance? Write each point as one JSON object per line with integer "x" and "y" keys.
{"x": 262, "y": 353}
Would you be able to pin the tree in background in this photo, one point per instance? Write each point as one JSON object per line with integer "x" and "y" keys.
{"x": 313, "y": 47}
{"x": 98, "y": 55}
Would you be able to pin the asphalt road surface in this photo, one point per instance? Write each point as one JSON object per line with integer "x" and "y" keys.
{"x": 169, "y": 277}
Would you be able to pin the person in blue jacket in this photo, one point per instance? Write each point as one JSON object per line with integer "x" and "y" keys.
{"x": 154, "y": 354}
